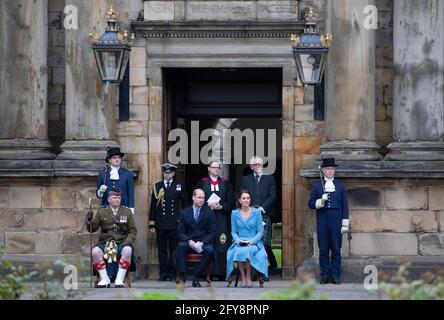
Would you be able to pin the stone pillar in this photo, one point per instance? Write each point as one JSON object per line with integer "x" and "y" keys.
{"x": 24, "y": 81}
{"x": 90, "y": 105}
{"x": 418, "y": 113}
{"x": 350, "y": 84}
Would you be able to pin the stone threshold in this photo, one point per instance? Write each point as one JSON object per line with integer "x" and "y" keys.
{"x": 353, "y": 267}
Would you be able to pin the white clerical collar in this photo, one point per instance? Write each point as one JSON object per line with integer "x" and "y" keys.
{"x": 214, "y": 183}
{"x": 258, "y": 174}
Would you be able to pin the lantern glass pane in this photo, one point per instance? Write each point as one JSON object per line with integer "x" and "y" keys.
{"x": 109, "y": 64}
{"x": 311, "y": 65}
{"x": 126, "y": 55}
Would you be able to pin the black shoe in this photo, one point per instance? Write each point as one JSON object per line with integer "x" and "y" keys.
{"x": 323, "y": 281}
{"x": 336, "y": 281}
{"x": 196, "y": 283}
{"x": 180, "y": 279}
{"x": 119, "y": 286}
{"x": 102, "y": 286}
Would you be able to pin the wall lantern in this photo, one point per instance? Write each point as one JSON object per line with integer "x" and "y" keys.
{"x": 310, "y": 51}
{"x": 112, "y": 50}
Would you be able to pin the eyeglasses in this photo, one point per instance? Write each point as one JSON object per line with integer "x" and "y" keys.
{"x": 256, "y": 164}
{"x": 215, "y": 168}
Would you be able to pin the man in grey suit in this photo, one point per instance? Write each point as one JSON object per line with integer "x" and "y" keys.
{"x": 263, "y": 196}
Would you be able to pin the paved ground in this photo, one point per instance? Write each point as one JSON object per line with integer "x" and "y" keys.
{"x": 219, "y": 291}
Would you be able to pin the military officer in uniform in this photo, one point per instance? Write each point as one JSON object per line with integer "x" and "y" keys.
{"x": 214, "y": 184}
{"x": 113, "y": 176}
{"x": 329, "y": 198}
{"x": 167, "y": 200}
{"x": 117, "y": 235}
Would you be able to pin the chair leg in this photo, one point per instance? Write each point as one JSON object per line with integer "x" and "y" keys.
{"x": 127, "y": 281}
{"x": 261, "y": 280}
{"x": 209, "y": 276}
{"x": 237, "y": 277}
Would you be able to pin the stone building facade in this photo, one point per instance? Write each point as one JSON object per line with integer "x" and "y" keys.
{"x": 384, "y": 105}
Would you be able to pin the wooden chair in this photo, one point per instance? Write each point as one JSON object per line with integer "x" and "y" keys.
{"x": 196, "y": 258}
{"x": 236, "y": 271}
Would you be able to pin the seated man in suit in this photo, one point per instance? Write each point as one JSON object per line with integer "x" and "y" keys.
{"x": 197, "y": 232}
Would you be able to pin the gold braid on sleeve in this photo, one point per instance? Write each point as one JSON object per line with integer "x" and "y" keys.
{"x": 159, "y": 195}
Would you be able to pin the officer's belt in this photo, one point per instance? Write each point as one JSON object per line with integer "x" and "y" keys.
{"x": 115, "y": 232}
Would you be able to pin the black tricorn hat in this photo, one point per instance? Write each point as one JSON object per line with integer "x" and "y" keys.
{"x": 328, "y": 162}
{"x": 113, "y": 152}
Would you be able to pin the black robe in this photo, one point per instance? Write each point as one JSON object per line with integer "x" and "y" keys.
{"x": 223, "y": 217}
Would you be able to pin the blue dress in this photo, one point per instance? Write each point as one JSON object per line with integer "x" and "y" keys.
{"x": 251, "y": 229}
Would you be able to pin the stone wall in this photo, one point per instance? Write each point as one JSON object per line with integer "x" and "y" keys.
{"x": 402, "y": 221}
{"x": 399, "y": 219}
{"x": 45, "y": 216}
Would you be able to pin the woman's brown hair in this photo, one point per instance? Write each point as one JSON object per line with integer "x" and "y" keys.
{"x": 239, "y": 195}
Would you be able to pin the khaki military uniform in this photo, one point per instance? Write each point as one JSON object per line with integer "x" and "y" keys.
{"x": 120, "y": 227}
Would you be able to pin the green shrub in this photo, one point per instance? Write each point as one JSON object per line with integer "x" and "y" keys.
{"x": 430, "y": 287}
{"x": 157, "y": 296}
{"x": 12, "y": 279}
{"x": 300, "y": 290}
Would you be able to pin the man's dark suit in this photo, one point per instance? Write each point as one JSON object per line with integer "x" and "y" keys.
{"x": 204, "y": 230}
{"x": 263, "y": 194}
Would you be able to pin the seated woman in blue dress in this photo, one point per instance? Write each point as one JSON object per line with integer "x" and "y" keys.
{"x": 247, "y": 249}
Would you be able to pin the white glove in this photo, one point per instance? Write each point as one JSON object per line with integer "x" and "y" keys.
{"x": 324, "y": 197}
{"x": 319, "y": 204}
{"x": 345, "y": 225}
{"x": 101, "y": 190}
{"x": 132, "y": 210}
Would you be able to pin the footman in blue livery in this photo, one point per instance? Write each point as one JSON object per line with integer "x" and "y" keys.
{"x": 329, "y": 198}
{"x": 114, "y": 176}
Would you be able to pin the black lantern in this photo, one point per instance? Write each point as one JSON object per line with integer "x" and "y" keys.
{"x": 112, "y": 50}
{"x": 310, "y": 51}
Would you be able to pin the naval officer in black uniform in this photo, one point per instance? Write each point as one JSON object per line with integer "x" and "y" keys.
{"x": 167, "y": 200}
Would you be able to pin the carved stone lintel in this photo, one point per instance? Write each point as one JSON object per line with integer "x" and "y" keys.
{"x": 216, "y": 29}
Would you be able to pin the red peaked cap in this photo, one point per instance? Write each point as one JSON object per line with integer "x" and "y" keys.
{"x": 114, "y": 192}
